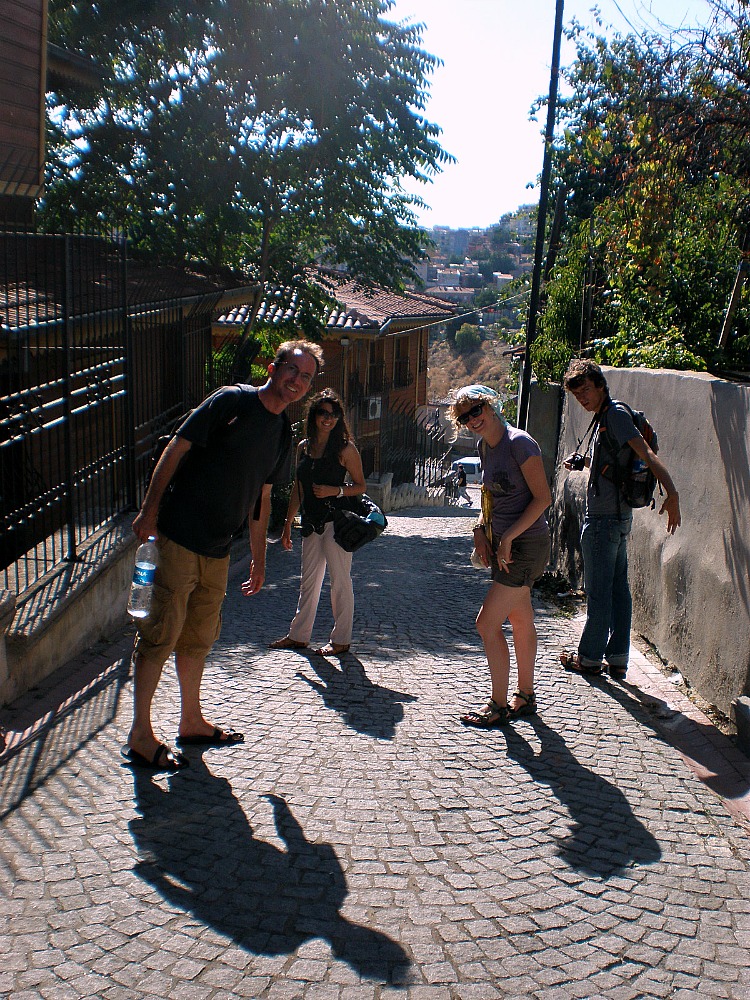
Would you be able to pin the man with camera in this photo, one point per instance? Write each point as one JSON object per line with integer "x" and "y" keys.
{"x": 606, "y": 526}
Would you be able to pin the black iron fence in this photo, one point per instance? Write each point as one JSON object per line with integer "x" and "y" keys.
{"x": 93, "y": 369}
{"x": 88, "y": 380}
{"x": 414, "y": 451}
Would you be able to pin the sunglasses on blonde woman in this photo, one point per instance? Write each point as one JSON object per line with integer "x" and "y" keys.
{"x": 464, "y": 418}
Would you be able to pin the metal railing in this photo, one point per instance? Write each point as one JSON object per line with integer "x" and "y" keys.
{"x": 414, "y": 452}
{"x": 87, "y": 383}
{"x": 92, "y": 372}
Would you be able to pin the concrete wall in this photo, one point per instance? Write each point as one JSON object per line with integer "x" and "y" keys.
{"x": 543, "y": 422}
{"x": 691, "y": 591}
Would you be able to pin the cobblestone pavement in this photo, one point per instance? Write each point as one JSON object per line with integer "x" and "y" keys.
{"x": 362, "y": 843}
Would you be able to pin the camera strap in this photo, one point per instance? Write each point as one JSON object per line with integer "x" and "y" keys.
{"x": 589, "y": 432}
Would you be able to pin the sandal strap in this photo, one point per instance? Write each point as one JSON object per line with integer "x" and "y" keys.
{"x": 526, "y": 698}
{"x": 493, "y": 707}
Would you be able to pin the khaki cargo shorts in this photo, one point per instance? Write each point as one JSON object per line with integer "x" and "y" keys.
{"x": 185, "y": 616}
{"x": 530, "y": 557}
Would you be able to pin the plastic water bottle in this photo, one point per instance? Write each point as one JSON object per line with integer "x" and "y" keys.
{"x": 146, "y": 560}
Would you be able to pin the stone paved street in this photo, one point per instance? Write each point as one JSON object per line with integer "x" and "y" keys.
{"x": 362, "y": 843}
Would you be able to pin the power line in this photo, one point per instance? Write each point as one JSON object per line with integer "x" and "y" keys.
{"x": 472, "y": 312}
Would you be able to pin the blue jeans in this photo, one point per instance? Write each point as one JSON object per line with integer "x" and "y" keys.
{"x": 609, "y": 608}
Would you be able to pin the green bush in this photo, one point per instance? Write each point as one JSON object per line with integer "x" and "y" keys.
{"x": 468, "y": 339}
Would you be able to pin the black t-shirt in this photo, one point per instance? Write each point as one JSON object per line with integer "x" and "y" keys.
{"x": 237, "y": 446}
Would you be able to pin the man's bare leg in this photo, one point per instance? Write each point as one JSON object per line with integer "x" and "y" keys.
{"x": 146, "y": 675}
{"x": 190, "y": 676}
{"x": 194, "y": 728}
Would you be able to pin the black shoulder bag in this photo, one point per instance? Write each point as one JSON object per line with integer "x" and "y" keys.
{"x": 357, "y": 520}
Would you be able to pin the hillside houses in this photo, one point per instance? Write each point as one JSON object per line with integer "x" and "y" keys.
{"x": 465, "y": 261}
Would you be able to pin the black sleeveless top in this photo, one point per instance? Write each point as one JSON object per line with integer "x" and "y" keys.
{"x": 325, "y": 471}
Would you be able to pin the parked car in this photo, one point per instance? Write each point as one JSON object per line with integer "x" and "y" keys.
{"x": 472, "y": 468}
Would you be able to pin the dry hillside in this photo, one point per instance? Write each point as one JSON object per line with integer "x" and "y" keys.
{"x": 447, "y": 370}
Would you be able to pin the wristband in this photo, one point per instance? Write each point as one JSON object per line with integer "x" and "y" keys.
{"x": 341, "y": 491}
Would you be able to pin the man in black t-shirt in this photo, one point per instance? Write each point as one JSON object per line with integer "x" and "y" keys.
{"x": 216, "y": 471}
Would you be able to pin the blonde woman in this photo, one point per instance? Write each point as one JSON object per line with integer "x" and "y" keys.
{"x": 511, "y": 537}
{"x": 325, "y": 459}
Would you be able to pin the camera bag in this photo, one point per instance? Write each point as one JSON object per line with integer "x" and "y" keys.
{"x": 635, "y": 480}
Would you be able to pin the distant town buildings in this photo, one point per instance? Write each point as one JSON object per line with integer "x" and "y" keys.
{"x": 465, "y": 261}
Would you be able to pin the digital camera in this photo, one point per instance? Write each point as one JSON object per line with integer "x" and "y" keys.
{"x": 575, "y": 462}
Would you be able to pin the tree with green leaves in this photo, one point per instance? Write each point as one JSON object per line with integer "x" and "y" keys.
{"x": 654, "y": 152}
{"x": 467, "y": 338}
{"x": 262, "y": 136}
{"x": 486, "y": 297}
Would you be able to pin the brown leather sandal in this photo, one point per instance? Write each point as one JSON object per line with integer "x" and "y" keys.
{"x": 569, "y": 659}
{"x": 332, "y": 649}
{"x": 488, "y": 718}
{"x": 287, "y": 643}
{"x": 527, "y": 708}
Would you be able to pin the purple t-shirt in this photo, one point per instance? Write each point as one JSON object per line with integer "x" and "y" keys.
{"x": 502, "y": 476}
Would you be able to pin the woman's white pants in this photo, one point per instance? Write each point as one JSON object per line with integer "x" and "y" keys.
{"x": 317, "y": 552}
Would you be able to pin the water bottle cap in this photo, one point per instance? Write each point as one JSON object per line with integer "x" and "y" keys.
{"x": 152, "y": 538}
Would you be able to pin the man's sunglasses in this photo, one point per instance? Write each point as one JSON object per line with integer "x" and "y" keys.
{"x": 471, "y": 414}
{"x": 294, "y": 372}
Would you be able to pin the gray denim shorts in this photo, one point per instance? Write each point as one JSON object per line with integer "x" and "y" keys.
{"x": 530, "y": 556}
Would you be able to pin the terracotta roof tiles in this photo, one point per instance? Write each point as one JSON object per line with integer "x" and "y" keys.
{"x": 358, "y": 307}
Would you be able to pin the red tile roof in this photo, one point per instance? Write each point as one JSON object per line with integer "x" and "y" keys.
{"x": 358, "y": 308}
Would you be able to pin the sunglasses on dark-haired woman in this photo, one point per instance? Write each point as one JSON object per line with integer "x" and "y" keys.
{"x": 323, "y": 411}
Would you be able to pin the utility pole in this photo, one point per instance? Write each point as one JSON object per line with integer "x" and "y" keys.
{"x": 742, "y": 271}
{"x": 536, "y": 279}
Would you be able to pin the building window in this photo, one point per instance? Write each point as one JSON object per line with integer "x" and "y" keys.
{"x": 401, "y": 366}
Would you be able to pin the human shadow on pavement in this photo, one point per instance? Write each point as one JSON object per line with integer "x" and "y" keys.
{"x": 723, "y": 768}
{"x": 605, "y": 838}
{"x": 197, "y": 850}
{"x": 365, "y": 707}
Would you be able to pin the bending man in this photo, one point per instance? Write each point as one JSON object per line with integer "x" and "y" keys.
{"x": 217, "y": 469}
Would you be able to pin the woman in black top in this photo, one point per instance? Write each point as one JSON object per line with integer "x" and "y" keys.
{"x": 325, "y": 459}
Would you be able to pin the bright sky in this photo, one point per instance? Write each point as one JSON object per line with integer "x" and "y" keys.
{"x": 497, "y": 56}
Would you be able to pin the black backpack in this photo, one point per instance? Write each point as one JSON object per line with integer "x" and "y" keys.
{"x": 635, "y": 480}
{"x": 161, "y": 446}
{"x": 163, "y": 440}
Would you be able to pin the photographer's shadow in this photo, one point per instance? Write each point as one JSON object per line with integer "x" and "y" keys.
{"x": 605, "y": 838}
{"x": 197, "y": 850}
{"x": 365, "y": 707}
